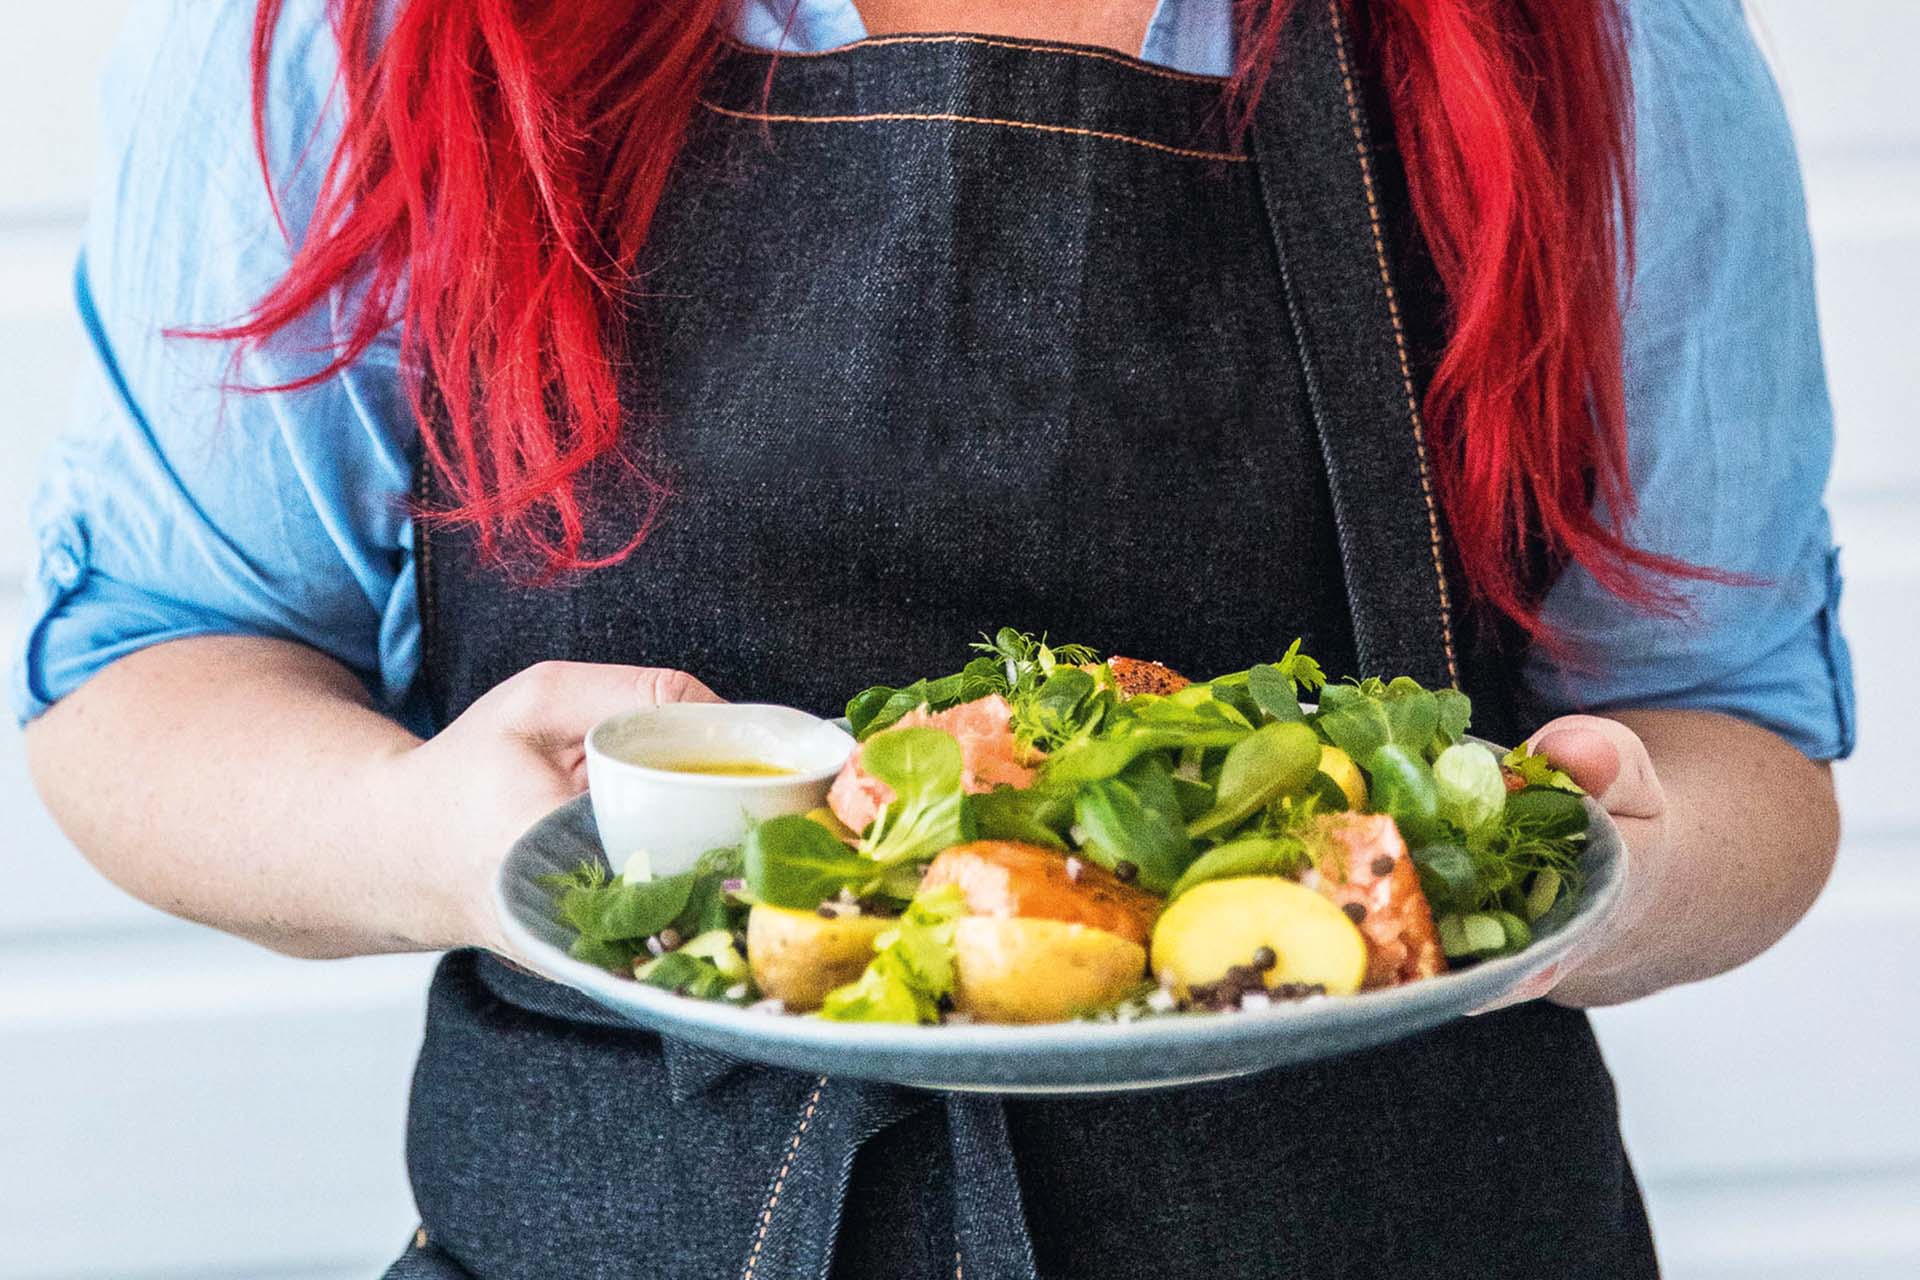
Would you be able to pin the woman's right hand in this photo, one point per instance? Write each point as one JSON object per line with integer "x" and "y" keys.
{"x": 515, "y": 755}
{"x": 251, "y": 784}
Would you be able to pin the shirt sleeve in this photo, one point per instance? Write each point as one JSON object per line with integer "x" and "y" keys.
{"x": 1729, "y": 426}
{"x": 175, "y": 505}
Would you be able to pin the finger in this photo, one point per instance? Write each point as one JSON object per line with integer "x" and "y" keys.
{"x": 1609, "y": 762}
{"x": 558, "y": 702}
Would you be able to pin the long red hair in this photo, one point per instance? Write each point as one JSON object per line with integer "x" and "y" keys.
{"x": 502, "y": 160}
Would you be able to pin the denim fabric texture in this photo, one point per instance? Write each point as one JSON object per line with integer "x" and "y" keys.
{"x": 1045, "y": 366}
{"x": 1036, "y": 372}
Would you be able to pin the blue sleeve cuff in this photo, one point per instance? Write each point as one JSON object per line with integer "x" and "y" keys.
{"x": 1799, "y": 686}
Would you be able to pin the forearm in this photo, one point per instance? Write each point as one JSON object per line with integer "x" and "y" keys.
{"x": 1745, "y": 845}
{"x": 247, "y": 784}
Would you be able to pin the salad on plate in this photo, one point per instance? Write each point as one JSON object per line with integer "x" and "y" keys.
{"x": 1045, "y": 836}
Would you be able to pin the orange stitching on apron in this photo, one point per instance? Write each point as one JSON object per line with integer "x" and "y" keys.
{"x": 1399, "y": 333}
{"x": 423, "y": 567}
{"x": 780, "y": 1179}
{"x": 991, "y": 42}
{"x": 958, "y": 1273}
{"x": 948, "y": 118}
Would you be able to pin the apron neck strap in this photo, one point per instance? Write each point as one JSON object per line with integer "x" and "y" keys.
{"x": 1326, "y": 215}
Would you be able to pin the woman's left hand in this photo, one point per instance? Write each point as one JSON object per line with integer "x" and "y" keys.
{"x": 1612, "y": 765}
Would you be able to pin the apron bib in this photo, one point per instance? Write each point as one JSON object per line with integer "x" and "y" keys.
{"x": 943, "y": 333}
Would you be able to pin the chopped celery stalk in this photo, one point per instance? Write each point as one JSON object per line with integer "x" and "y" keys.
{"x": 717, "y": 945}
{"x": 1483, "y": 933}
{"x": 1515, "y": 933}
{"x": 1543, "y": 893}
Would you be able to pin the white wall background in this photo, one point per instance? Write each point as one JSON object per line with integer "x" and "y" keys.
{"x": 174, "y": 1103}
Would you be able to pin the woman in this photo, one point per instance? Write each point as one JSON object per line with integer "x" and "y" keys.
{"x": 595, "y": 334}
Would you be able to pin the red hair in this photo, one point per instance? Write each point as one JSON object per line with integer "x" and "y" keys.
{"x": 502, "y": 160}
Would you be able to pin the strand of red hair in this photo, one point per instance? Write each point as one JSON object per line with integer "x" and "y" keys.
{"x": 501, "y": 162}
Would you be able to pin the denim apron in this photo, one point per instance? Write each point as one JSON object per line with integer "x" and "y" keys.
{"x": 943, "y": 333}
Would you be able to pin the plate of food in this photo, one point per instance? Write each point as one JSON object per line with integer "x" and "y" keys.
{"x": 1048, "y": 872}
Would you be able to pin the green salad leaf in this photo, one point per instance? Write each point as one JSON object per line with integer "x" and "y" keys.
{"x": 1275, "y": 692}
{"x": 1136, "y": 818}
{"x": 928, "y": 811}
{"x": 795, "y": 862}
{"x": 609, "y": 910}
{"x": 1472, "y": 791}
{"x": 1301, "y": 671}
{"x": 1066, "y": 705}
{"x": 1275, "y": 760}
{"x": 1034, "y": 815}
{"x": 1363, "y": 716}
{"x": 708, "y": 967}
{"x": 1449, "y": 876}
{"x": 873, "y": 710}
{"x": 1248, "y": 856}
{"x": 1145, "y": 724}
{"x": 912, "y": 968}
{"x": 614, "y": 917}
{"x": 1403, "y": 785}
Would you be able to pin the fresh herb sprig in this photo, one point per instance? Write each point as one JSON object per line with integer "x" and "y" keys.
{"x": 1011, "y": 663}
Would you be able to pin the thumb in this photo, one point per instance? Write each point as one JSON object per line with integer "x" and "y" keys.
{"x": 1609, "y": 762}
{"x": 556, "y": 703}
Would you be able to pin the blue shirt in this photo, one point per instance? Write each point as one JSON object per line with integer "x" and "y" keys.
{"x": 170, "y": 509}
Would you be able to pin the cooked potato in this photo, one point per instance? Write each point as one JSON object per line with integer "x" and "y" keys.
{"x": 1021, "y": 970}
{"x": 798, "y": 956}
{"x": 1339, "y": 766}
{"x": 1008, "y": 878}
{"x": 1220, "y": 924}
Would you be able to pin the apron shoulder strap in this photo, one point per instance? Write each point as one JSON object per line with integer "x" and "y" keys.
{"x": 1326, "y": 212}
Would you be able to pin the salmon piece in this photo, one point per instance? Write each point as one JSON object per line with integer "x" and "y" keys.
{"x": 1137, "y": 675}
{"x": 989, "y": 758}
{"x": 1364, "y": 868}
{"x": 1006, "y": 878}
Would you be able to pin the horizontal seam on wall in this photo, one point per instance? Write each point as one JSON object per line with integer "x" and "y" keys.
{"x": 943, "y": 117}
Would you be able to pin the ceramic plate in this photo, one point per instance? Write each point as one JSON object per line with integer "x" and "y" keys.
{"x": 1070, "y": 1057}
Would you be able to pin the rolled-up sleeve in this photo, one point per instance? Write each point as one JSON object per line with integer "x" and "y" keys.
{"x": 1730, "y": 428}
{"x": 175, "y": 505}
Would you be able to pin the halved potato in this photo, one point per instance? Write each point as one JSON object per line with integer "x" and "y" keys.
{"x": 1014, "y": 969}
{"x": 798, "y": 956}
{"x": 1220, "y": 924}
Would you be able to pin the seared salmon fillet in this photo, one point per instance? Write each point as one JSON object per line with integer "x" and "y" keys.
{"x": 1138, "y": 675}
{"x": 1008, "y": 878}
{"x": 1364, "y": 868}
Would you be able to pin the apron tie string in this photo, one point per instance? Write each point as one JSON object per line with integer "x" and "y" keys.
{"x": 799, "y": 1221}
{"x": 989, "y": 1219}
